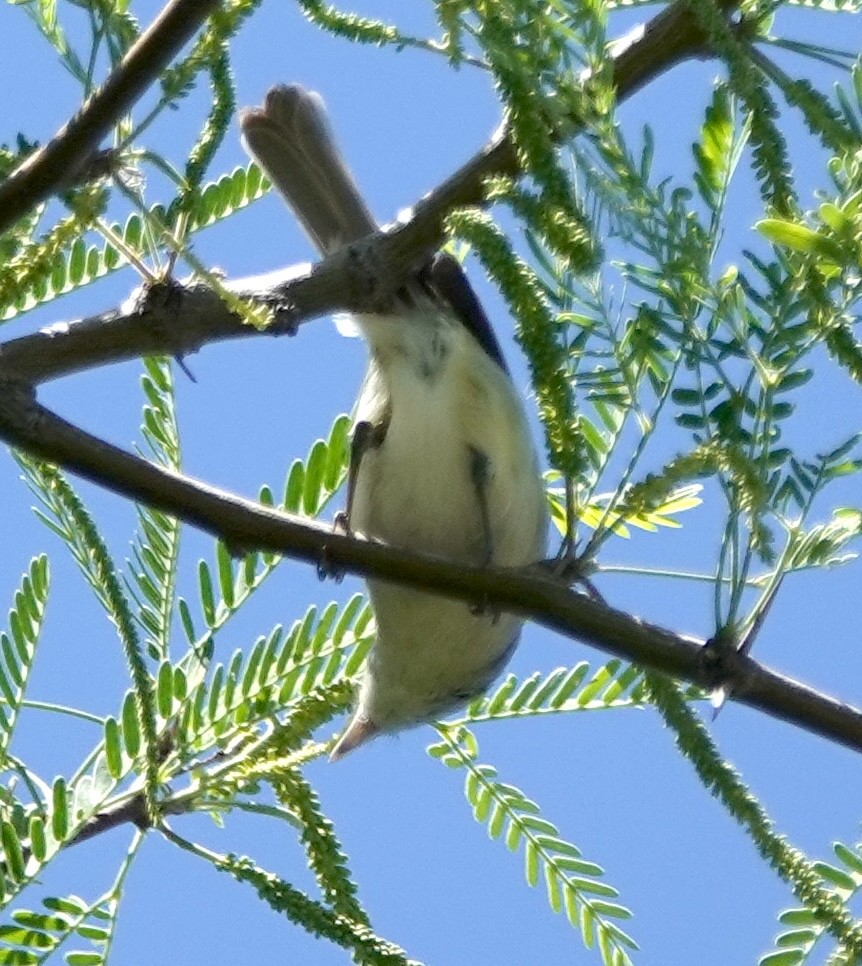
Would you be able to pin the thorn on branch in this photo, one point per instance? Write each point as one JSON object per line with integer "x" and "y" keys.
{"x": 719, "y": 662}
{"x": 181, "y": 362}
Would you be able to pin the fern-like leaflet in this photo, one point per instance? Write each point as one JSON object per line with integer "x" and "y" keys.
{"x": 573, "y": 884}
{"x": 803, "y": 930}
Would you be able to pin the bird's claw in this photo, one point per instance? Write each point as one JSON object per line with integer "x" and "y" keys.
{"x": 327, "y": 570}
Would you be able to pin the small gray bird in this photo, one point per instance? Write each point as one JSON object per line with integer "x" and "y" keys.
{"x": 442, "y": 460}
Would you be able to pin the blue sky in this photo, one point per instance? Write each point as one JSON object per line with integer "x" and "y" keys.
{"x": 611, "y": 781}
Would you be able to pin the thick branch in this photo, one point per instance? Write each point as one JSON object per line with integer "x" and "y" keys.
{"x": 245, "y": 526}
{"x": 174, "y": 319}
{"x": 353, "y": 279}
{"x": 648, "y": 51}
{"x": 55, "y": 165}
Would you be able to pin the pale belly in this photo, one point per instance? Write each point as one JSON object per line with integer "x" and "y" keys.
{"x": 416, "y": 491}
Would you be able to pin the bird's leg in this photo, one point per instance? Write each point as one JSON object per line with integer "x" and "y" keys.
{"x": 365, "y": 436}
{"x": 480, "y": 474}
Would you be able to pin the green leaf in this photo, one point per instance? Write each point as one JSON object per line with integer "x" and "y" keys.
{"x": 17, "y": 655}
{"x": 793, "y": 380}
{"x": 531, "y": 863}
{"x": 12, "y": 852}
{"x": 798, "y": 917}
{"x": 799, "y": 238}
{"x": 113, "y": 748}
{"x": 165, "y": 689}
{"x": 205, "y": 587}
{"x": 131, "y": 725}
{"x": 277, "y": 673}
{"x": 850, "y": 857}
{"x": 38, "y": 843}
{"x": 59, "y": 810}
{"x": 186, "y": 620}
{"x": 38, "y": 920}
{"x": 713, "y": 152}
{"x": 293, "y": 487}
{"x": 508, "y": 814}
{"x": 18, "y": 957}
{"x": 315, "y": 470}
{"x": 786, "y": 957}
{"x": 835, "y": 876}
{"x": 337, "y": 453}
{"x": 225, "y": 573}
{"x": 68, "y": 905}
{"x": 612, "y": 686}
{"x": 27, "y": 937}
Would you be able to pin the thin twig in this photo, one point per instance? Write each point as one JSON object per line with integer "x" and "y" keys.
{"x": 56, "y": 165}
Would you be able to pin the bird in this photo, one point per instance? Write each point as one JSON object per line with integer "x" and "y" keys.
{"x": 442, "y": 459}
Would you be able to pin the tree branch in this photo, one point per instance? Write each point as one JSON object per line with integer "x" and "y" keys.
{"x": 56, "y": 165}
{"x": 174, "y": 319}
{"x": 356, "y": 278}
{"x": 244, "y": 526}
{"x": 642, "y": 55}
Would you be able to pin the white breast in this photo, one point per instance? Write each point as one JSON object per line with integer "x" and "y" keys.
{"x": 443, "y": 396}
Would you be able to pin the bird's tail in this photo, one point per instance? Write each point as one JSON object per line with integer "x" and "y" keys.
{"x": 290, "y": 136}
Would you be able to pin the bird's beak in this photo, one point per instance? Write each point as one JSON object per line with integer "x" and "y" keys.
{"x": 358, "y": 732}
